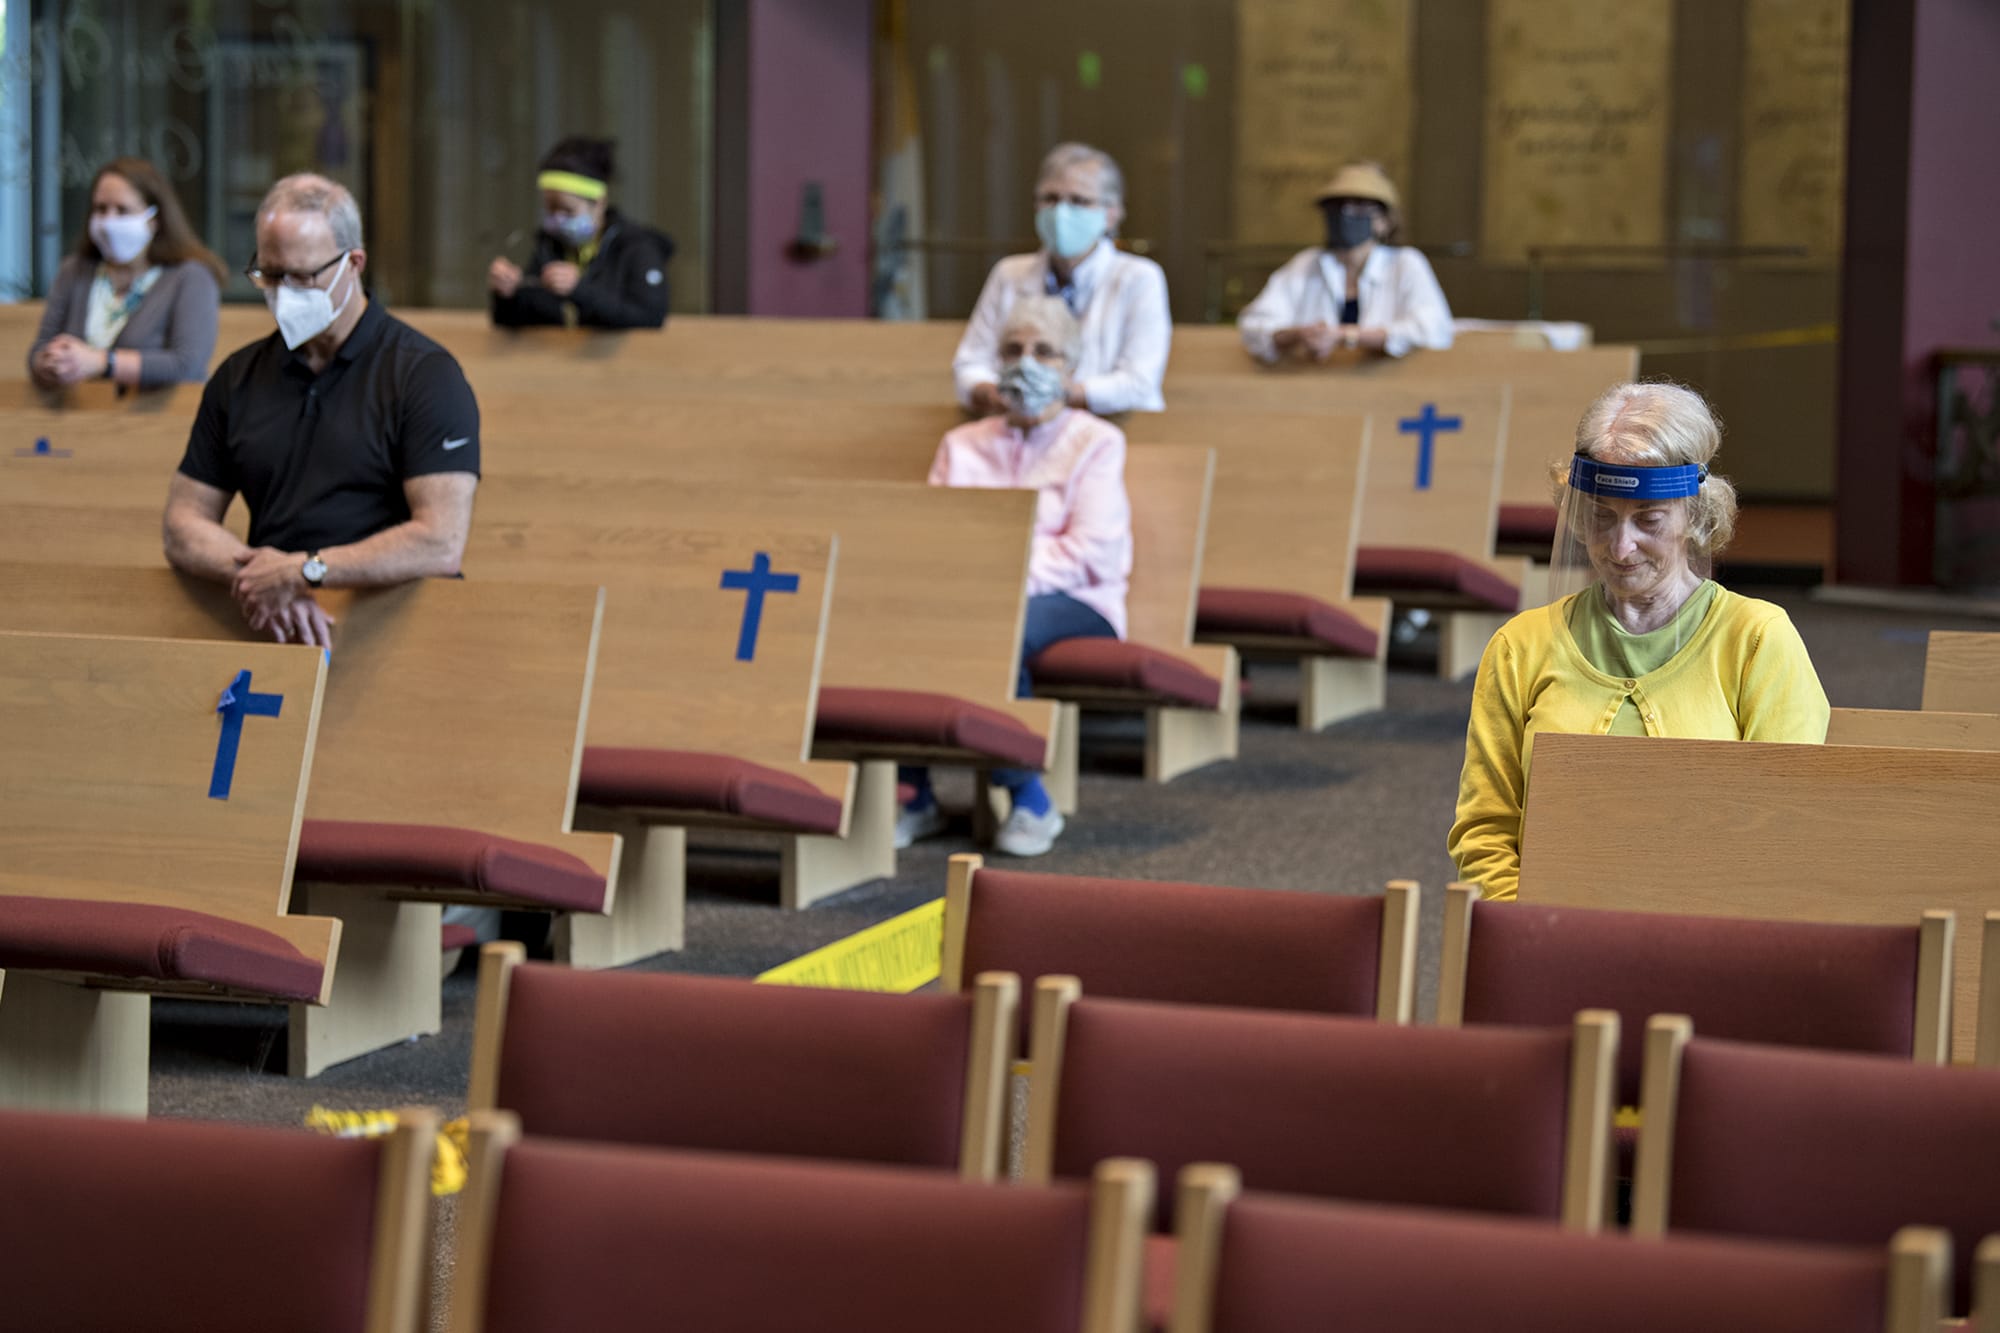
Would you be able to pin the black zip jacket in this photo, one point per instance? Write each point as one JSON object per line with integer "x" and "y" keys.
{"x": 625, "y": 286}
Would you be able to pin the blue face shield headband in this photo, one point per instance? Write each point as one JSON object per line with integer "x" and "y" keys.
{"x": 1611, "y": 482}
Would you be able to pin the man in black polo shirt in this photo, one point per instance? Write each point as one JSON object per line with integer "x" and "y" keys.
{"x": 353, "y": 439}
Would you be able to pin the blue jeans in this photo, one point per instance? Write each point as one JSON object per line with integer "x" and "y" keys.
{"x": 1052, "y": 617}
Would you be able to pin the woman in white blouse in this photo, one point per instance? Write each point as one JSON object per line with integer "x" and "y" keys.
{"x": 1356, "y": 291}
{"x": 1119, "y": 299}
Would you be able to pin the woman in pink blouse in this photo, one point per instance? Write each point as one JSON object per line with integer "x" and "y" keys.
{"x": 1082, "y": 554}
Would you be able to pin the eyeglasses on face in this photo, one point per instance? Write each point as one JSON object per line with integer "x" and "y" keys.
{"x": 265, "y": 279}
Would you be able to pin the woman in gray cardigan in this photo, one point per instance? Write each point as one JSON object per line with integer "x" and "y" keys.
{"x": 138, "y": 300}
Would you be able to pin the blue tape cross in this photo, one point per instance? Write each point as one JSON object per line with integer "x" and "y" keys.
{"x": 1427, "y": 428}
{"x": 237, "y": 703}
{"x": 42, "y": 449}
{"x": 755, "y": 582}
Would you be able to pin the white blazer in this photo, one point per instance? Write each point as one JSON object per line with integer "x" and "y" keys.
{"x": 1398, "y": 292}
{"x": 1125, "y": 322}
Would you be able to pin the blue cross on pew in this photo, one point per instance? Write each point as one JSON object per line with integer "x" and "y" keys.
{"x": 1427, "y": 428}
{"x": 237, "y": 703}
{"x": 755, "y": 582}
{"x": 42, "y": 449}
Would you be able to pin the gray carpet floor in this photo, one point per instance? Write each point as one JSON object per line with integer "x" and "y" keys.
{"x": 1339, "y": 812}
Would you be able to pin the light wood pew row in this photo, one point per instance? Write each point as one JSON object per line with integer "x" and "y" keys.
{"x": 1157, "y": 668}
{"x": 685, "y": 730}
{"x": 1283, "y": 516}
{"x": 1737, "y": 828}
{"x": 923, "y": 637}
{"x": 446, "y": 773}
{"x": 147, "y": 836}
{"x": 1962, "y": 672}
{"x": 1913, "y": 729}
{"x": 1278, "y": 567}
{"x": 1550, "y": 392}
{"x": 1430, "y": 506}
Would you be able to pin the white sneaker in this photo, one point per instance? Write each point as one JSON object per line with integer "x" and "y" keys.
{"x": 912, "y": 825}
{"x": 1029, "y": 834}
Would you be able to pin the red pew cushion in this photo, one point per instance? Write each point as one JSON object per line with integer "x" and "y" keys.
{"x": 892, "y": 718}
{"x": 338, "y": 851}
{"x": 1393, "y": 569}
{"x": 1222, "y": 612}
{"x": 1114, "y": 664}
{"x": 147, "y": 942}
{"x": 1527, "y": 525}
{"x": 710, "y": 783}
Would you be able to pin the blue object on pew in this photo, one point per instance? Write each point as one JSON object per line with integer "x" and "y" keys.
{"x": 236, "y": 703}
{"x": 1427, "y": 428}
{"x": 755, "y": 582}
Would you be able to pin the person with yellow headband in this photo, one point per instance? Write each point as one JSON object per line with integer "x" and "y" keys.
{"x": 592, "y": 267}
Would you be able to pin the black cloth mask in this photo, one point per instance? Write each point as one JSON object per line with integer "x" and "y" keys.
{"x": 1345, "y": 231}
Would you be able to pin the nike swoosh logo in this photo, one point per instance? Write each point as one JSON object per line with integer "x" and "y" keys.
{"x": 458, "y": 443}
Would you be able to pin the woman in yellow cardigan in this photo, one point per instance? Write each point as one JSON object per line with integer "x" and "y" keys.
{"x": 1651, "y": 647}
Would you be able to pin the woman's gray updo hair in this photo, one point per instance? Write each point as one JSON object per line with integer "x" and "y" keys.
{"x": 1662, "y": 425}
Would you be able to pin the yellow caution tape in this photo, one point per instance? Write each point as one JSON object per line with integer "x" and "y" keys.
{"x": 447, "y": 1166}
{"x": 899, "y": 955}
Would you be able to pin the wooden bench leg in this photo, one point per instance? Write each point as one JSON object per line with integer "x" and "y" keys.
{"x": 1179, "y": 740}
{"x": 70, "y": 1048}
{"x": 1064, "y": 759}
{"x": 1462, "y": 637}
{"x": 1333, "y": 689}
{"x": 386, "y": 987}
{"x": 648, "y": 905}
{"x": 815, "y": 866}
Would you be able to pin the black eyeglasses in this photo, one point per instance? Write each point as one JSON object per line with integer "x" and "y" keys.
{"x": 267, "y": 278}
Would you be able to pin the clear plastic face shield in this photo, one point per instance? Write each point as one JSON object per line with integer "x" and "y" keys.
{"x": 1622, "y": 538}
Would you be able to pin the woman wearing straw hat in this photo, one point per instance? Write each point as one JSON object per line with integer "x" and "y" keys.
{"x": 1357, "y": 291}
{"x": 592, "y": 267}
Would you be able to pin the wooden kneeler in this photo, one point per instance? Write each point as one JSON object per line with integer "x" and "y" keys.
{"x": 151, "y": 794}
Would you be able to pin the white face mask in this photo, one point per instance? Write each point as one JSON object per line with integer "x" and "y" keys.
{"x": 304, "y": 315}
{"x": 122, "y": 237}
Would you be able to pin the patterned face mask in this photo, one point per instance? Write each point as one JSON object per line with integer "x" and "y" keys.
{"x": 1030, "y": 387}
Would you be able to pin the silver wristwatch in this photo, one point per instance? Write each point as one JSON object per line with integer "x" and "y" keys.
{"x": 314, "y": 569}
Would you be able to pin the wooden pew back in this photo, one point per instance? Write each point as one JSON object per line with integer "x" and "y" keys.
{"x": 1737, "y": 828}
{"x": 1169, "y": 488}
{"x": 448, "y": 703}
{"x": 1962, "y": 672}
{"x": 112, "y": 776}
{"x": 671, "y": 670}
{"x": 1913, "y": 730}
{"x": 932, "y": 581}
{"x": 1286, "y": 509}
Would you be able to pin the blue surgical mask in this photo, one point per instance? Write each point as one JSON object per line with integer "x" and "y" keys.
{"x": 575, "y": 228}
{"x": 1030, "y": 387}
{"x": 1069, "y": 230}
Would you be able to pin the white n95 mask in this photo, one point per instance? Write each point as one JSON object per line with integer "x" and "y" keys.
{"x": 303, "y": 315}
{"x": 122, "y": 237}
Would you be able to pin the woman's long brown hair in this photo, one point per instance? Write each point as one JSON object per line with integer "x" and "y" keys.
{"x": 174, "y": 242}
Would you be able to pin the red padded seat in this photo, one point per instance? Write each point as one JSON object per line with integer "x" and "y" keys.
{"x": 1527, "y": 525}
{"x": 1114, "y": 664}
{"x": 892, "y": 718}
{"x": 1410, "y": 569}
{"x": 709, "y": 783}
{"x": 455, "y": 936}
{"x": 338, "y": 851}
{"x": 1224, "y": 612}
{"x": 146, "y": 942}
